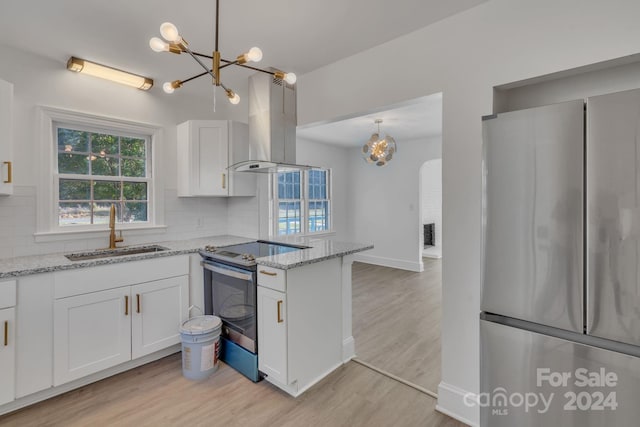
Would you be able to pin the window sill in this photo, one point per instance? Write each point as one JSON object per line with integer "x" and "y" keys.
{"x": 55, "y": 236}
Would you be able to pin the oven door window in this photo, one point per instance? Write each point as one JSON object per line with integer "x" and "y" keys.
{"x": 233, "y": 298}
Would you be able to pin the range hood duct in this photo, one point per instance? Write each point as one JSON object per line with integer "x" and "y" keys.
{"x": 272, "y": 126}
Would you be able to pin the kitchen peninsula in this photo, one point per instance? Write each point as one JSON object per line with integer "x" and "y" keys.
{"x": 76, "y": 322}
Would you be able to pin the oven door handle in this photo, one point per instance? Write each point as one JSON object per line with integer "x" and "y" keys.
{"x": 227, "y": 272}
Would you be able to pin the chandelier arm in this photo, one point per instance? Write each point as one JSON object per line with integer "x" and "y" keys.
{"x": 203, "y": 55}
{"x": 200, "y": 62}
{"x": 255, "y": 69}
{"x": 193, "y": 78}
{"x": 228, "y": 63}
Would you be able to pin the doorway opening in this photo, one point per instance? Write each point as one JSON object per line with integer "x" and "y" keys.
{"x": 397, "y": 295}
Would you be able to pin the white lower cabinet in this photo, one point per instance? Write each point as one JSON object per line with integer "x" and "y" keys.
{"x": 299, "y": 324}
{"x": 160, "y": 308}
{"x": 91, "y": 332}
{"x": 99, "y": 330}
{"x": 7, "y": 355}
{"x": 272, "y": 328}
{"x": 34, "y": 334}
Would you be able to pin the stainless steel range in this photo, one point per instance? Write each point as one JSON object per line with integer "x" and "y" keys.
{"x": 230, "y": 292}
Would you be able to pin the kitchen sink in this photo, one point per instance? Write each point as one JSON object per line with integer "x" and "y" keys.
{"x": 107, "y": 253}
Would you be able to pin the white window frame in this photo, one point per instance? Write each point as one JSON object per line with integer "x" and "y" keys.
{"x": 47, "y": 228}
{"x": 304, "y": 201}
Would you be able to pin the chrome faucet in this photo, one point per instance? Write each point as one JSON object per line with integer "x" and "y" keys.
{"x": 112, "y": 225}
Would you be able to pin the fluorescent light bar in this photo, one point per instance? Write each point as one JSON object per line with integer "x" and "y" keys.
{"x": 91, "y": 68}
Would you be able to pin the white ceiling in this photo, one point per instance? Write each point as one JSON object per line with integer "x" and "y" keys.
{"x": 417, "y": 119}
{"x": 295, "y": 35}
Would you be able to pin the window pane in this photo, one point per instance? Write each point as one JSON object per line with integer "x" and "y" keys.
{"x": 72, "y": 189}
{"x": 133, "y": 167}
{"x": 73, "y": 163}
{"x": 289, "y": 218}
{"x": 105, "y": 166}
{"x": 106, "y": 190}
{"x": 103, "y": 144}
{"x": 102, "y": 210}
{"x": 134, "y": 147}
{"x": 134, "y": 190}
{"x": 74, "y": 213}
{"x": 135, "y": 212}
{"x": 73, "y": 140}
{"x": 318, "y": 216}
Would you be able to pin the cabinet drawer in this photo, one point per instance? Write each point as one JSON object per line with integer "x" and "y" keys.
{"x": 94, "y": 279}
{"x": 7, "y": 294}
{"x": 272, "y": 278}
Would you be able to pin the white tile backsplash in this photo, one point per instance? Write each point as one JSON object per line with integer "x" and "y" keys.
{"x": 185, "y": 218}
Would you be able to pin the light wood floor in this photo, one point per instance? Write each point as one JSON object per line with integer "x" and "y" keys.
{"x": 396, "y": 320}
{"x": 157, "y": 395}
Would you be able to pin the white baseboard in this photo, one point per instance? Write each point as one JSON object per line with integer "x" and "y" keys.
{"x": 451, "y": 402}
{"x": 348, "y": 349}
{"x": 390, "y": 262}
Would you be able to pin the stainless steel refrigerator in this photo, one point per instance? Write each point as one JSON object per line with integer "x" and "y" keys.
{"x": 560, "y": 322}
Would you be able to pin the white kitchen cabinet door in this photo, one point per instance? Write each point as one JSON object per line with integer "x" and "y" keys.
{"x": 7, "y": 355}
{"x": 91, "y": 332}
{"x": 203, "y": 157}
{"x": 34, "y": 334}
{"x": 159, "y": 308}
{"x": 272, "y": 334}
{"x": 206, "y": 148}
{"x": 6, "y": 138}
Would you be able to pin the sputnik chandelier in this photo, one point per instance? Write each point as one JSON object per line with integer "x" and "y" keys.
{"x": 174, "y": 43}
{"x": 379, "y": 151}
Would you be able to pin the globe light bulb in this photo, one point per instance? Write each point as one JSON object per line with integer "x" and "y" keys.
{"x": 255, "y": 54}
{"x": 234, "y": 99}
{"x": 168, "y": 87}
{"x": 158, "y": 45}
{"x": 170, "y": 32}
{"x": 290, "y": 78}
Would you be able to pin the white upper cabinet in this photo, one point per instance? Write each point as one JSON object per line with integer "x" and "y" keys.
{"x": 6, "y": 138}
{"x": 206, "y": 148}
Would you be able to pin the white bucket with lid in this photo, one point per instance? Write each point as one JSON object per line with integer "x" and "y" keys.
{"x": 200, "y": 346}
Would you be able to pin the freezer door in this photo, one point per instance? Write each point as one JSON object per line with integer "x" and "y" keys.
{"x": 531, "y": 380}
{"x": 613, "y": 216}
{"x": 532, "y": 215}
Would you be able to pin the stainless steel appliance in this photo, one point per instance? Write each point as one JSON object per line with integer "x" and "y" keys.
{"x": 230, "y": 292}
{"x": 560, "y": 327}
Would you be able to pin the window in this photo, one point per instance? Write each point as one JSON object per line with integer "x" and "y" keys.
{"x": 88, "y": 162}
{"x": 98, "y": 168}
{"x": 302, "y": 202}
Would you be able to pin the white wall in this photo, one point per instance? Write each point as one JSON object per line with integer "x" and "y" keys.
{"x": 464, "y": 56}
{"x": 41, "y": 81}
{"x": 384, "y": 204}
{"x": 431, "y": 195}
{"x": 336, "y": 158}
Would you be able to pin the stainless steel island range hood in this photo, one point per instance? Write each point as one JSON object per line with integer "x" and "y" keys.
{"x": 272, "y": 126}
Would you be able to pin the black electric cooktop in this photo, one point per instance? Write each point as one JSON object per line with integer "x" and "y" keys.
{"x": 246, "y": 253}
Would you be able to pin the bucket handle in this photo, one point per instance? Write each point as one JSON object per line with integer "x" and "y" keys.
{"x": 192, "y": 307}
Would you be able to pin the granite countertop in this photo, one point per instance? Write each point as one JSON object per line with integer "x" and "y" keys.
{"x": 318, "y": 250}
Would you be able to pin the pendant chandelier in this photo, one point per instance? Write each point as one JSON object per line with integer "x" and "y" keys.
{"x": 379, "y": 151}
{"x": 174, "y": 43}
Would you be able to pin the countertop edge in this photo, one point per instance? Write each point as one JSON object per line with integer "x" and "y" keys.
{"x": 25, "y": 266}
{"x": 95, "y": 263}
{"x": 289, "y": 266}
